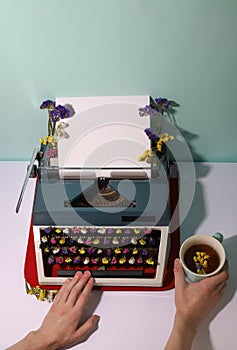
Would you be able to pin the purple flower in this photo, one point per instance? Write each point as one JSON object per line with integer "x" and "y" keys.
{"x": 150, "y": 134}
{"x": 47, "y": 229}
{"x": 90, "y": 250}
{"x": 163, "y": 102}
{"x": 147, "y": 110}
{"x": 76, "y": 260}
{"x": 48, "y": 104}
{"x": 59, "y": 112}
{"x": 51, "y": 260}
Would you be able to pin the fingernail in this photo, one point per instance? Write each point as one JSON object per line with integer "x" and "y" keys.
{"x": 176, "y": 265}
{"x": 96, "y": 319}
{"x": 87, "y": 273}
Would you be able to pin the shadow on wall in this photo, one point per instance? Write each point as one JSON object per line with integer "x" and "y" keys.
{"x": 182, "y": 149}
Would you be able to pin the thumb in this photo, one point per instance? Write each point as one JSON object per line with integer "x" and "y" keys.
{"x": 179, "y": 274}
{"x": 86, "y": 328}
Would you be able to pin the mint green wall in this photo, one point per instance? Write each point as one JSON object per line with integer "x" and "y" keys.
{"x": 185, "y": 50}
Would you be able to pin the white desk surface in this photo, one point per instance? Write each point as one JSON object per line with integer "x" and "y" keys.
{"x": 129, "y": 320}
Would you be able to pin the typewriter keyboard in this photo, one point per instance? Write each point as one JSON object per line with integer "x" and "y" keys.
{"x": 105, "y": 251}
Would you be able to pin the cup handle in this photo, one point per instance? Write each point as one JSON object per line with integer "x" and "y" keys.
{"x": 218, "y": 236}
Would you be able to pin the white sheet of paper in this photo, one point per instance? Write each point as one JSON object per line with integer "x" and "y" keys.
{"x": 106, "y": 131}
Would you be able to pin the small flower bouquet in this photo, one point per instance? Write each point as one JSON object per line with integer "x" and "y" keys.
{"x": 158, "y": 108}
{"x": 55, "y": 129}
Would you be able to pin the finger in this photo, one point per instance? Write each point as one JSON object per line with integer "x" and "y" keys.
{"x": 84, "y": 296}
{"x": 66, "y": 288}
{"x": 86, "y": 328}
{"x": 78, "y": 288}
{"x": 215, "y": 280}
{"x": 179, "y": 275}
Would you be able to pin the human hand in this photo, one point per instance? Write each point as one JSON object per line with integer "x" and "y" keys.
{"x": 194, "y": 301}
{"x": 60, "y": 328}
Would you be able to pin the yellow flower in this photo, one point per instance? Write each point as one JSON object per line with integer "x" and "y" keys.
{"x": 42, "y": 293}
{"x": 159, "y": 145}
{"x": 105, "y": 261}
{"x": 166, "y": 137}
{"x": 146, "y": 156}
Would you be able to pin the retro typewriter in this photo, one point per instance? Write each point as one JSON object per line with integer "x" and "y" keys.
{"x": 111, "y": 220}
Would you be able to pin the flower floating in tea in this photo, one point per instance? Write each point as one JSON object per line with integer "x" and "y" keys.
{"x": 201, "y": 261}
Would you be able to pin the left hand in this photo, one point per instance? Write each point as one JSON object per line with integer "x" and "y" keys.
{"x": 60, "y": 328}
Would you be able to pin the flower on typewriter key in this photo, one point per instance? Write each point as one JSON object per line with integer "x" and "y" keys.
{"x": 59, "y": 259}
{"x": 64, "y": 251}
{"x": 117, "y": 250}
{"x": 96, "y": 241}
{"x": 86, "y": 260}
{"x": 113, "y": 260}
{"x": 88, "y": 241}
{"x": 53, "y": 240}
{"x": 144, "y": 252}
{"x": 137, "y": 231}
{"x": 102, "y": 230}
{"x": 115, "y": 240}
{"x": 105, "y": 260}
{"x": 142, "y": 241}
{"x": 139, "y": 260}
{"x": 84, "y": 230}
{"x": 150, "y": 261}
{"x": 76, "y": 229}
{"x": 82, "y": 250}
{"x": 106, "y": 241}
{"x": 131, "y": 261}
{"x": 68, "y": 260}
{"x": 125, "y": 251}
{"x": 133, "y": 241}
{"x": 62, "y": 241}
{"x": 44, "y": 239}
{"x": 124, "y": 240}
{"x": 147, "y": 230}
{"x": 127, "y": 231}
{"x": 56, "y": 250}
{"x": 91, "y": 250}
{"x": 94, "y": 261}
{"x": 73, "y": 249}
{"x": 122, "y": 260}
{"x": 51, "y": 260}
{"x": 77, "y": 260}
{"x": 135, "y": 251}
